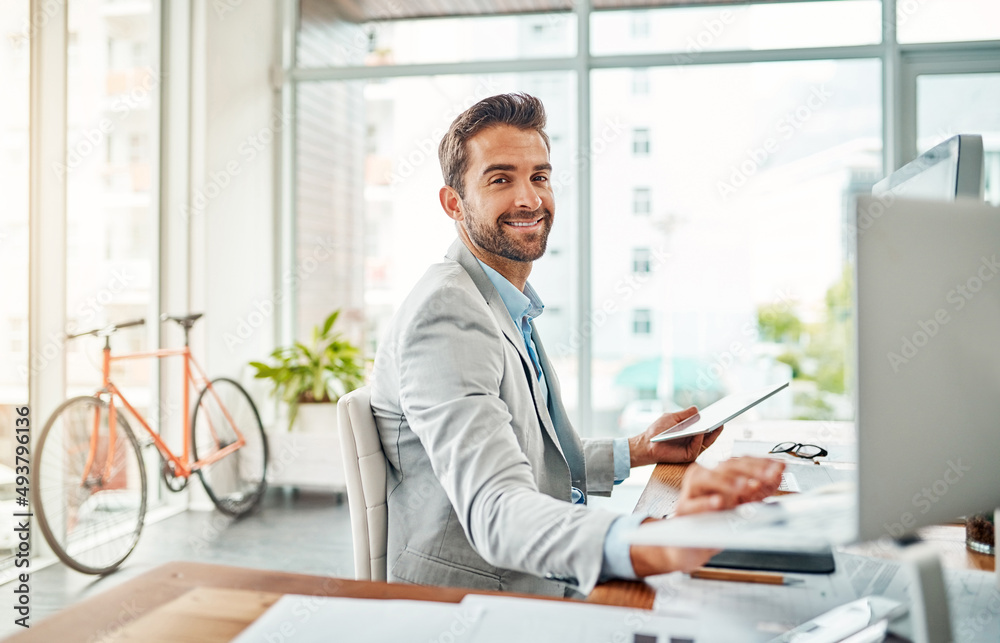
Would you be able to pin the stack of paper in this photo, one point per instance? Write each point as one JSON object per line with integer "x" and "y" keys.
{"x": 478, "y": 619}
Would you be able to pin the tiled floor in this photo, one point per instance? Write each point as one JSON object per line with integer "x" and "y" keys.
{"x": 296, "y": 532}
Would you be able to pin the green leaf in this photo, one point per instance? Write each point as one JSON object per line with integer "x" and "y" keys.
{"x": 329, "y": 368}
{"x": 330, "y": 321}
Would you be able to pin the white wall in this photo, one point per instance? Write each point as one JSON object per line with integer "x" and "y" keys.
{"x": 235, "y": 132}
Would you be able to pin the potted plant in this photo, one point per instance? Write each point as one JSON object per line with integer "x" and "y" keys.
{"x": 316, "y": 374}
{"x": 310, "y": 379}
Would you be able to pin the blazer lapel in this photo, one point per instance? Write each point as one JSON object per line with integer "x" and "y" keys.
{"x": 460, "y": 253}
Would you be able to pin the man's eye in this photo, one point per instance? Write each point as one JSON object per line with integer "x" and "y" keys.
{"x": 541, "y": 177}
{"x": 498, "y": 179}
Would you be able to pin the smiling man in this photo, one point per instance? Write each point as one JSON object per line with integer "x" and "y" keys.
{"x": 487, "y": 479}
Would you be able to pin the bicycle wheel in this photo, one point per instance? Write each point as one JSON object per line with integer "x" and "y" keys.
{"x": 89, "y": 487}
{"x": 235, "y": 482}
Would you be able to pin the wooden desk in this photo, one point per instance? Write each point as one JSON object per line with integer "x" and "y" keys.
{"x": 660, "y": 495}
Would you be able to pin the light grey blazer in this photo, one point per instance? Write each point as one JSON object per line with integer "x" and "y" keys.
{"x": 478, "y": 481}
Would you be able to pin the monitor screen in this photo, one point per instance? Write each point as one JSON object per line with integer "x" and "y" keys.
{"x": 952, "y": 169}
{"x": 927, "y": 311}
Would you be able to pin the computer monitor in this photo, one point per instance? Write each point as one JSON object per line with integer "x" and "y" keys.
{"x": 952, "y": 169}
{"x": 927, "y": 315}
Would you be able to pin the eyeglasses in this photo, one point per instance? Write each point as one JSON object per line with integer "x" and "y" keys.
{"x": 806, "y": 451}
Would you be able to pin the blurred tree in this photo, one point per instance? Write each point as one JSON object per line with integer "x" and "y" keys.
{"x": 778, "y": 323}
{"x": 817, "y": 351}
{"x": 833, "y": 340}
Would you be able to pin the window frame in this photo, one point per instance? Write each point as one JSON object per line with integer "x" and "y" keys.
{"x": 642, "y": 318}
{"x": 898, "y": 123}
{"x": 642, "y": 196}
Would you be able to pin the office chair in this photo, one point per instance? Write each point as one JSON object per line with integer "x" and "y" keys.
{"x": 364, "y": 468}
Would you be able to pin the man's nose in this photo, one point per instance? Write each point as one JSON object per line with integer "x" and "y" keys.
{"x": 527, "y": 197}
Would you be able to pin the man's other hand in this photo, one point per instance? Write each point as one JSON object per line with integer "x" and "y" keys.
{"x": 731, "y": 483}
{"x": 643, "y": 451}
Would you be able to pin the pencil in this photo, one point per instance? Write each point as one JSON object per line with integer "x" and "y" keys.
{"x": 743, "y": 576}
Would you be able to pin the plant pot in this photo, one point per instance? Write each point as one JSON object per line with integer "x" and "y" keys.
{"x": 309, "y": 455}
{"x": 316, "y": 418}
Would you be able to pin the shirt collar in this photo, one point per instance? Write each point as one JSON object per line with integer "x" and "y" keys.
{"x": 519, "y": 304}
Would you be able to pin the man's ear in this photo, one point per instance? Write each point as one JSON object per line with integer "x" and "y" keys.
{"x": 451, "y": 203}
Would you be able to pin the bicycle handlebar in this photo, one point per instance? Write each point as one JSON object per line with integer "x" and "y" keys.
{"x": 107, "y": 330}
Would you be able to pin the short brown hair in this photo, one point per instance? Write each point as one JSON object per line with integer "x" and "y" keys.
{"x": 518, "y": 109}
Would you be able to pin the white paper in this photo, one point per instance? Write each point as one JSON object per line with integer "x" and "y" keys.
{"x": 749, "y": 612}
{"x": 321, "y": 619}
{"x": 973, "y": 598}
{"x": 520, "y": 620}
{"x": 805, "y": 522}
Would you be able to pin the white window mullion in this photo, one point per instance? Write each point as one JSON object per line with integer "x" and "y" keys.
{"x": 47, "y": 211}
{"x": 47, "y": 216}
{"x": 583, "y": 252}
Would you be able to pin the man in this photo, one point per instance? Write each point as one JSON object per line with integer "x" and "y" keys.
{"x": 487, "y": 479}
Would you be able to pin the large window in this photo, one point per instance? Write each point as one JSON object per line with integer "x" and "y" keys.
{"x": 749, "y": 221}
{"x": 947, "y": 20}
{"x": 110, "y": 215}
{"x": 330, "y": 35}
{"x": 742, "y": 168}
{"x": 688, "y": 31}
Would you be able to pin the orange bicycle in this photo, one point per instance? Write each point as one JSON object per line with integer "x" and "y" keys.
{"x": 89, "y": 481}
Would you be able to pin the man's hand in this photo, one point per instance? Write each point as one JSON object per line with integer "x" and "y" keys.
{"x": 731, "y": 483}
{"x": 642, "y": 451}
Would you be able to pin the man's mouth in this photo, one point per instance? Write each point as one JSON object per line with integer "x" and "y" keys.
{"x": 525, "y": 224}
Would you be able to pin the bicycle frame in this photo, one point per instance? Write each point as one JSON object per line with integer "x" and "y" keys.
{"x": 183, "y": 468}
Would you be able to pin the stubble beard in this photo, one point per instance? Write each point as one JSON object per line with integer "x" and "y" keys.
{"x": 497, "y": 238}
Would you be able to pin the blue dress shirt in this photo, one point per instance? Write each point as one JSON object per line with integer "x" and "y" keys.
{"x": 524, "y": 307}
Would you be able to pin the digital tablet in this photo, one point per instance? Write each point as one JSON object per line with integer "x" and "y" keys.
{"x": 715, "y": 415}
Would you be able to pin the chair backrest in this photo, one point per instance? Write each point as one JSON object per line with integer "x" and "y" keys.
{"x": 364, "y": 466}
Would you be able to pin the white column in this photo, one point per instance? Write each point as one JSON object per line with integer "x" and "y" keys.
{"x": 47, "y": 215}
{"x": 47, "y": 210}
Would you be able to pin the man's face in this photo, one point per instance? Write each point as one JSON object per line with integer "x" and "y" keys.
{"x": 508, "y": 206}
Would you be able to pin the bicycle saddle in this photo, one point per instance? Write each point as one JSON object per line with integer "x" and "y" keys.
{"x": 187, "y": 321}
